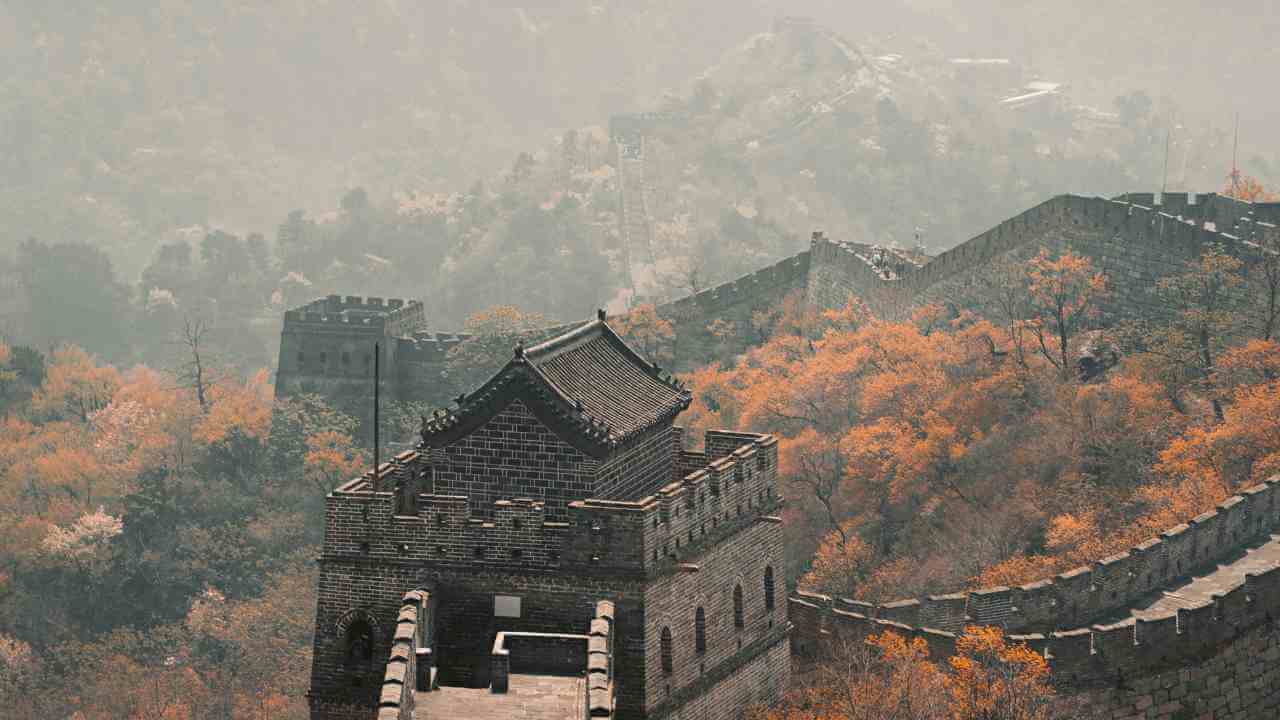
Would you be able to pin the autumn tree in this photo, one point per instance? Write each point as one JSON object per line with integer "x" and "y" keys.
{"x": 840, "y": 563}
{"x": 260, "y": 653}
{"x": 1064, "y": 296}
{"x": 1244, "y": 446}
{"x": 75, "y": 385}
{"x": 647, "y": 331}
{"x": 493, "y": 333}
{"x": 20, "y": 671}
{"x": 991, "y": 678}
{"x": 197, "y": 370}
{"x": 236, "y": 428}
{"x": 884, "y": 677}
{"x": 1264, "y": 273}
{"x": 1008, "y": 303}
{"x": 332, "y": 458}
{"x": 723, "y": 332}
{"x": 1247, "y": 188}
{"x": 1204, "y": 314}
{"x": 793, "y": 316}
{"x": 887, "y": 677}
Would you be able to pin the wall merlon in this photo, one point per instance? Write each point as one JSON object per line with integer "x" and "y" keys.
{"x": 1071, "y": 646}
{"x": 945, "y": 612}
{"x": 865, "y": 609}
{"x": 1144, "y": 642}
{"x": 1154, "y": 633}
{"x": 1115, "y": 644}
{"x": 903, "y": 611}
{"x": 991, "y": 606}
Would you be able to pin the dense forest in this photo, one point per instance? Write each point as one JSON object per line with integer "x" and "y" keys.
{"x": 158, "y": 525}
{"x": 174, "y": 176}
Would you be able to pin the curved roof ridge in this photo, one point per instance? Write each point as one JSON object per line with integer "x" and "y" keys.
{"x": 587, "y": 383}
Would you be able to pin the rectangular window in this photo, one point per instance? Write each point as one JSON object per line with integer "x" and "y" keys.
{"x": 506, "y": 606}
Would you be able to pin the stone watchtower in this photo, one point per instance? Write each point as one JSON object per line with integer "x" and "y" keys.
{"x": 550, "y": 546}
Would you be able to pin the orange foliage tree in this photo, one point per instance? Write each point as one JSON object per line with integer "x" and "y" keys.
{"x": 75, "y": 386}
{"x": 887, "y": 677}
{"x": 1248, "y": 189}
{"x": 993, "y": 679}
{"x": 1064, "y": 297}
{"x": 647, "y": 331}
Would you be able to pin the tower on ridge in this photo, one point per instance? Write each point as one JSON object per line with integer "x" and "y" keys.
{"x": 551, "y": 538}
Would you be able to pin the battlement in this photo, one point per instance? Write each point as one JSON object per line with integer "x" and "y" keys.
{"x": 303, "y": 319}
{"x": 1142, "y": 224}
{"x": 394, "y": 317}
{"x": 1058, "y": 615}
{"x": 782, "y": 273}
{"x": 369, "y": 517}
{"x": 404, "y": 676}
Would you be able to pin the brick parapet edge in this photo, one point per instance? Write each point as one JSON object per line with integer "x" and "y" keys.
{"x": 1037, "y": 613}
{"x": 648, "y": 537}
{"x": 396, "y": 700}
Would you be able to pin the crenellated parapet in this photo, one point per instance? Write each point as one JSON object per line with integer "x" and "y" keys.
{"x": 1135, "y": 239}
{"x": 379, "y": 517}
{"x": 786, "y": 274}
{"x": 393, "y": 317}
{"x": 732, "y": 490}
{"x": 403, "y": 677}
{"x": 1062, "y": 616}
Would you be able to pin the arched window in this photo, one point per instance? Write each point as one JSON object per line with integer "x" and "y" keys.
{"x": 768, "y": 588}
{"x": 358, "y": 650}
{"x": 737, "y": 607}
{"x": 666, "y": 650}
{"x": 700, "y": 631}
{"x": 359, "y": 642}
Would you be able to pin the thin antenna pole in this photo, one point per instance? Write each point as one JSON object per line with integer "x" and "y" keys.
{"x": 1164, "y": 183}
{"x": 377, "y": 376}
{"x": 1235, "y": 169}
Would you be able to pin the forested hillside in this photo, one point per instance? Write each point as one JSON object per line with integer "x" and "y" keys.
{"x": 793, "y": 127}
{"x": 175, "y": 175}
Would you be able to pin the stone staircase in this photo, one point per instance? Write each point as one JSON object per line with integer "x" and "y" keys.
{"x": 635, "y": 229}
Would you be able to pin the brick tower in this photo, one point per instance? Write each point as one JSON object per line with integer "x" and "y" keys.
{"x": 550, "y": 544}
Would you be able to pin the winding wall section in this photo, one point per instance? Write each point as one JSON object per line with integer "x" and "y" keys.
{"x": 1172, "y": 607}
{"x": 1135, "y": 244}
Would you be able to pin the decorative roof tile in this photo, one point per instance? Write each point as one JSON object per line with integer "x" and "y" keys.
{"x": 587, "y": 385}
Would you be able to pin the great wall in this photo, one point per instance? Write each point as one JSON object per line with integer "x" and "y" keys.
{"x": 1135, "y": 239}
{"x": 1155, "y": 620}
{"x": 1186, "y": 625}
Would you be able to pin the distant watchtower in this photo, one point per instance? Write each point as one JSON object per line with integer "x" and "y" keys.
{"x": 326, "y": 346}
{"x": 549, "y": 543}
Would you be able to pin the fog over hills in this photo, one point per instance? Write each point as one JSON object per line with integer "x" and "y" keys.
{"x": 154, "y": 125}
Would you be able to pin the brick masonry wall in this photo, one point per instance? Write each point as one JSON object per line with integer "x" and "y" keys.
{"x": 1072, "y": 599}
{"x": 1134, "y": 244}
{"x": 1241, "y": 682}
{"x": 761, "y": 679}
{"x": 1206, "y": 659}
{"x": 1136, "y": 239}
{"x": 639, "y": 469}
{"x": 733, "y": 302}
{"x": 463, "y": 623}
{"x": 376, "y": 549}
{"x": 708, "y": 580}
{"x": 546, "y": 653}
{"x": 514, "y": 455}
{"x": 413, "y": 360}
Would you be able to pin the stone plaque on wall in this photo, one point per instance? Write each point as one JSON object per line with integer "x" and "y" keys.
{"x": 506, "y": 606}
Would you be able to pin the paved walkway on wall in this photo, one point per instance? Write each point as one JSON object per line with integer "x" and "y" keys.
{"x": 528, "y": 697}
{"x": 1200, "y": 588}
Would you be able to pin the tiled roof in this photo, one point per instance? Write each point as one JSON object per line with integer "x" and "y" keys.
{"x": 586, "y": 384}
